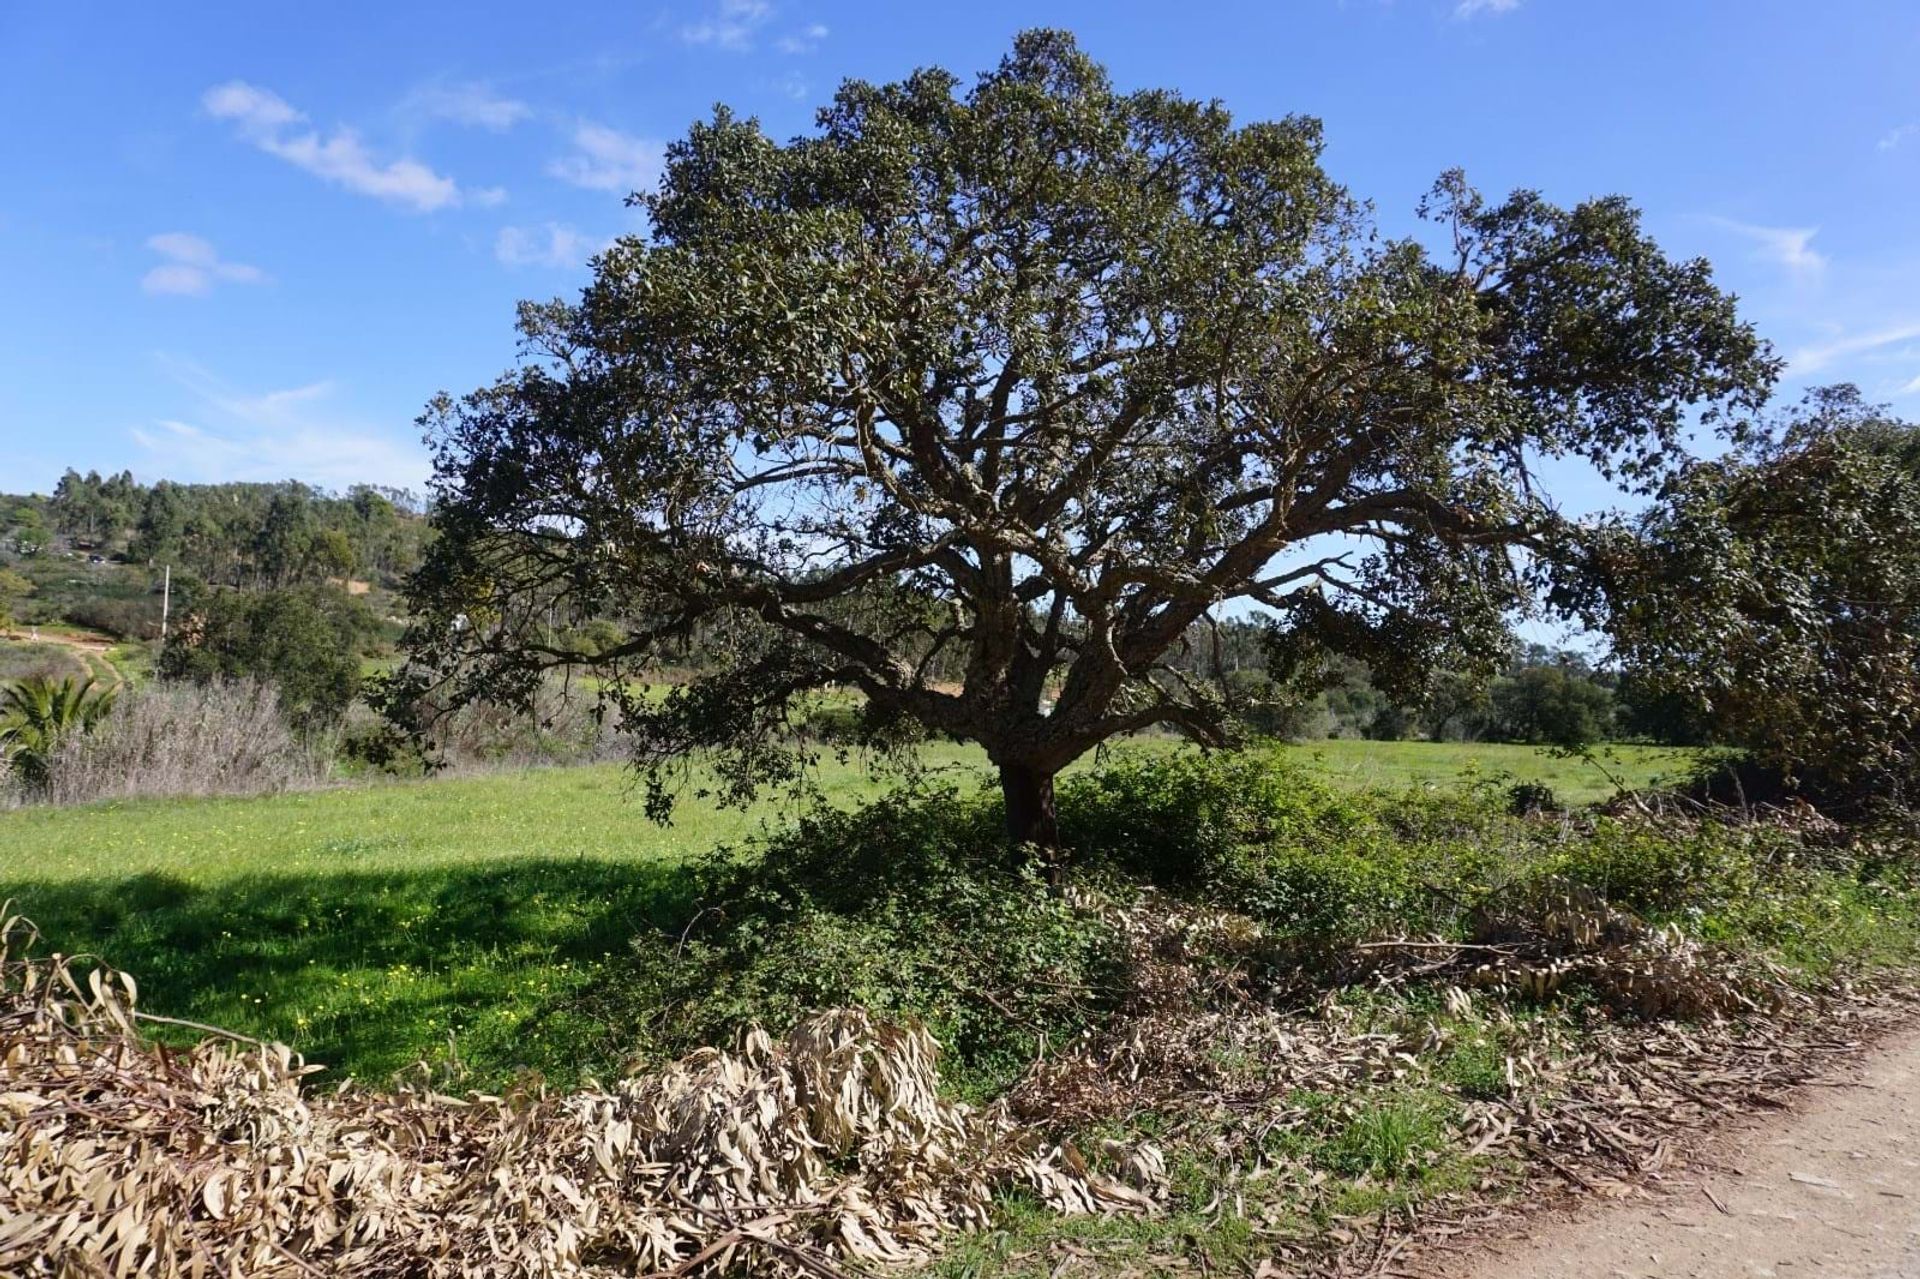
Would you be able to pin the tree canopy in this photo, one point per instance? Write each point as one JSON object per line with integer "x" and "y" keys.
{"x": 1773, "y": 596}
{"x": 984, "y": 399}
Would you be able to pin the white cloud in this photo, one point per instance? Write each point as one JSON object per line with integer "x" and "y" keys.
{"x": 1813, "y": 358}
{"x": 606, "y": 159}
{"x": 1476, "y": 8}
{"x": 1790, "y": 247}
{"x": 269, "y": 122}
{"x": 731, "y": 25}
{"x": 292, "y": 433}
{"x": 1910, "y": 388}
{"x": 257, "y": 110}
{"x": 554, "y": 244}
{"x": 469, "y": 104}
{"x": 192, "y": 266}
{"x": 805, "y": 40}
{"x": 1898, "y": 135}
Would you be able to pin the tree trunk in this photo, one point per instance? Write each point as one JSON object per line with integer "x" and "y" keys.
{"x": 1031, "y": 820}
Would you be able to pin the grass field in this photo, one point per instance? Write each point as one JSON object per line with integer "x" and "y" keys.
{"x": 374, "y": 926}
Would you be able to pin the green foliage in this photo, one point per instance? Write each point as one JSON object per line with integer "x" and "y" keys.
{"x": 36, "y": 713}
{"x": 1775, "y": 597}
{"x": 1023, "y": 377}
{"x": 909, "y": 907}
{"x": 13, "y": 588}
{"x": 1389, "y": 1139}
{"x": 309, "y": 641}
{"x": 1550, "y": 705}
{"x": 93, "y": 509}
{"x": 277, "y": 535}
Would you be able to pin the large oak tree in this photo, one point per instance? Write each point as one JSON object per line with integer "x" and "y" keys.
{"x": 983, "y": 400}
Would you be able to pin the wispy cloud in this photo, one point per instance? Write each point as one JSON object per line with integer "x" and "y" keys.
{"x": 554, "y": 244}
{"x": 270, "y": 123}
{"x": 1910, "y": 388}
{"x": 1483, "y": 8}
{"x": 1816, "y": 356}
{"x": 192, "y": 266}
{"x": 1898, "y": 136}
{"x": 605, "y": 159}
{"x": 732, "y": 25}
{"x": 293, "y": 433}
{"x": 471, "y": 104}
{"x": 805, "y": 40}
{"x": 792, "y": 84}
{"x": 1789, "y": 247}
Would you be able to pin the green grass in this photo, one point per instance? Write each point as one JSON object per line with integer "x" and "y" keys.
{"x": 372, "y": 926}
{"x": 1400, "y": 765}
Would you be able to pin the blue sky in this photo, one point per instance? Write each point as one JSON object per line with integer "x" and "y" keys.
{"x": 249, "y": 240}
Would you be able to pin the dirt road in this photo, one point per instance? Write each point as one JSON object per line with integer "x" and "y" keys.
{"x": 1829, "y": 1188}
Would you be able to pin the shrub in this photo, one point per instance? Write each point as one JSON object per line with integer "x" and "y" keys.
{"x": 909, "y": 907}
{"x": 136, "y": 618}
{"x": 306, "y": 640}
{"x": 562, "y": 726}
{"x": 215, "y": 739}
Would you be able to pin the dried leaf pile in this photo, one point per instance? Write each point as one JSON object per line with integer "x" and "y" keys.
{"x": 1594, "y": 1103}
{"x": 118, "y": 1156}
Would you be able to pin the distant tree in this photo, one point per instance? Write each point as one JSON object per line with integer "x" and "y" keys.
{"x": 1064, "y": 370}
{"x": 306, "y": 640}
{"x": 1549, "y": 705}
{"x": 330, "y": 553}
{"x": 96, "y": 509}
{"x": 1660, "y": 714}
{"x": 1773, "y": 597}
{"x": 160, "y": 531}
{"x": 27, "y": 528}
{"x": 1457, "y": 708}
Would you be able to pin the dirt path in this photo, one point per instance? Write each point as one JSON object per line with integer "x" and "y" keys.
{"x": 86, "y": 644}
{"x": 1830, "y": 1187}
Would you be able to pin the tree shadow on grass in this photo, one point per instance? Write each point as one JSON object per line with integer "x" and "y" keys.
{"x": 370, "y": 972}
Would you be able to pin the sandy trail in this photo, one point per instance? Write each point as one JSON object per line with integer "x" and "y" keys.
{"x": 1830, "y": 1187}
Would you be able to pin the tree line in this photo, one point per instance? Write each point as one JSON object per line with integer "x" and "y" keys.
{"x": 234, "y": 534}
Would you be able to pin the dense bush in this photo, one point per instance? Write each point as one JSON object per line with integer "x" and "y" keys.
{"x": 1773, "y": 597}
{"x": 910, "y": 906}
{"x": 307, "y": 640}
{"x": 127, "y": 618}
{"x": 214, "y": 739}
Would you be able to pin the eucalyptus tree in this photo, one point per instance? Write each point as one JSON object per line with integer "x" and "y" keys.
{"x": 1024, "y": 381}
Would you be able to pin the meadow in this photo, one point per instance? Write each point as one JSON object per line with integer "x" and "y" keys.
{"x": 461, "y": 920}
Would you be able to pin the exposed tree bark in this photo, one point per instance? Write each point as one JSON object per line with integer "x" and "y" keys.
{"x": 1031, "y": 819}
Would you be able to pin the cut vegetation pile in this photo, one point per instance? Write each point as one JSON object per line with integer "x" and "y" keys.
{"x": 119, "y": 1157}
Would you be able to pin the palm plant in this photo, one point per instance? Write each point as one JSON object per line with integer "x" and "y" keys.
{"x": 36, "y": 713}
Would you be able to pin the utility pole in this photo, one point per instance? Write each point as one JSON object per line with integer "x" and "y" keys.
{"x": 166, "y": 600}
